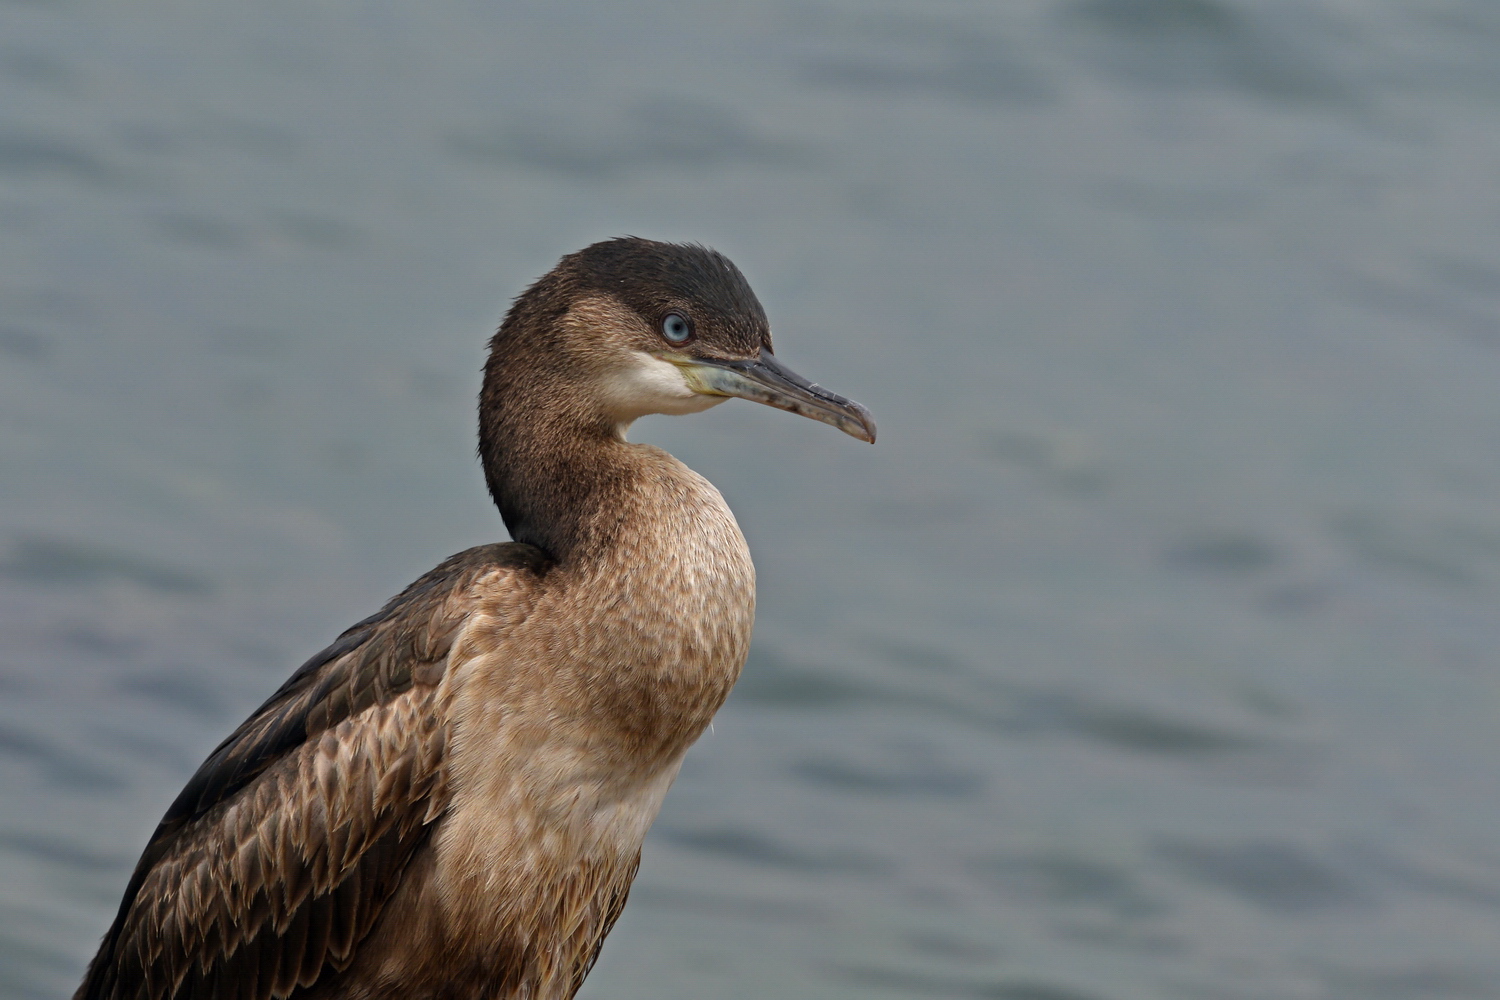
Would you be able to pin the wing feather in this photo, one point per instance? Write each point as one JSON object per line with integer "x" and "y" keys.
{"x": 277, "y": 857}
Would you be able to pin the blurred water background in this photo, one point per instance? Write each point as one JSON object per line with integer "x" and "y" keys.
{"x": 1152, "y": 653}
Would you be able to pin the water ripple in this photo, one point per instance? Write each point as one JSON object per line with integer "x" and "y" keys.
{"x": 1203, "y": 43}
{"x": 26, "y": 153}
{"x": 1418, "y": 982}
{"x": 182, "y": 690}
{"x": 24, "y": 345}
{"x": 917, "y": 984}
{"x": 48, "y": 560}
{"x": 912, "y": 780}
{"x": 1010, "y": 709}
{"x": 758, "y": 849}
{"x": 1272, "y": 875}
{"x": 1222, "y": 551}
{"x": 1067, "y": 881}
{"x": 968, "y": 68}
{"x": 672, "y": 134}
{"x": 55, "y": 851}
{"x": 62, "y": 766}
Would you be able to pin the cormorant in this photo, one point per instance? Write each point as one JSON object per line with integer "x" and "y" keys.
{"x": 449, "y": 801}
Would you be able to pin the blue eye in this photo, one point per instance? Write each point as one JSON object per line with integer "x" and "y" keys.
{"x": 676, "y": 328}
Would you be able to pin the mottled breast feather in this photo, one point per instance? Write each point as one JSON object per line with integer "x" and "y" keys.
{"x": 277, "y": 858}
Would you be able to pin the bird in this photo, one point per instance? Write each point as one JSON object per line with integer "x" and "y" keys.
{"x": 449, "y": 801}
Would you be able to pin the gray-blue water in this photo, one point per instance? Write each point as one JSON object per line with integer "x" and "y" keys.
{"x": 1152, "y": 653}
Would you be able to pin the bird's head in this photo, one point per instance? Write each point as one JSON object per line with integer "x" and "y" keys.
{"x": 629, "y": 327}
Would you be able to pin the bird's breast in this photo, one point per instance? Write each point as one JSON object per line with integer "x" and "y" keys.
{"x": 572, "y": 718}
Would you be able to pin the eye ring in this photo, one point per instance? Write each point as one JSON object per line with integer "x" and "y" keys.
{"x": 676, "y": 328}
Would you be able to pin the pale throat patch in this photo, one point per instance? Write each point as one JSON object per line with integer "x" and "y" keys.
{"x": 651, "y": 385}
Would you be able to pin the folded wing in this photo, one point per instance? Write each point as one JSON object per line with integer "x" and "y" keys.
{"x": 276, "y": 860}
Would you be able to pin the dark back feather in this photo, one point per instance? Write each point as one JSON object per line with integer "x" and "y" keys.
{"x": 275, "y": 860}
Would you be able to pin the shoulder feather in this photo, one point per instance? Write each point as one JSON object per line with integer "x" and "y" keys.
{"x": 275, "y": 860}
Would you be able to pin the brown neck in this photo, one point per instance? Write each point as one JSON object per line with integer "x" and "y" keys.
{"x": 557, "y": 474}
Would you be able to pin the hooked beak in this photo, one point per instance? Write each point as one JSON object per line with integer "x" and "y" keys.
{"x": 766, "y": 380}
